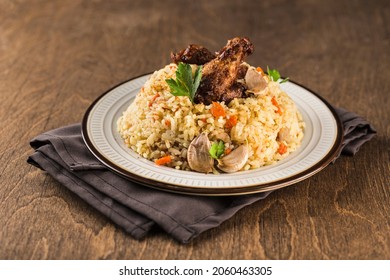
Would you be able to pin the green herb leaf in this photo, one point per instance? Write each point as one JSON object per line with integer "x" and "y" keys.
{"x": 217, "y": 150}
{"x": 197, "y": 78}
{"x": 185, "y": 84}
{"x": 274, "y": 75}
{"x": 284, "y": 80}
{"x": 176, "y": 89}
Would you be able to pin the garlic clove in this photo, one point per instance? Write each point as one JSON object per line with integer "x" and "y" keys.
{"x": 254, "y": 81}
{"x": 198, "y": 156}
{"x": 284, "y": 134}
{"x": 235, "y": 160}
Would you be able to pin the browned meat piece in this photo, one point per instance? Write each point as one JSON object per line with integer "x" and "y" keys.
{"x": 242, "y": 71}
{"x": 219, "y": 76}
{"x": 193, "y": 54}
{"x": 235, "y": 91}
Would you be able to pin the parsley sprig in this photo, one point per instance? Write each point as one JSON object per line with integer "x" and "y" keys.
{"x": 274, "y": 75}
{"x": 217, "y": 150}
{"x": 185, "y": 84}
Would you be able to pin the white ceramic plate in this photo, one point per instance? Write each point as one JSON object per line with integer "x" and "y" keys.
{"x": 321, "y": 143}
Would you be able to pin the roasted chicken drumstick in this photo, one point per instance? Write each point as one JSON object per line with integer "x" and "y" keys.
{"x": 220, "y": 75}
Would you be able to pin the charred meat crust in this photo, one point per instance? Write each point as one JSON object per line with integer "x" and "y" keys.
{"x": 242, "y": 71}
{"x": 193, "y": 54}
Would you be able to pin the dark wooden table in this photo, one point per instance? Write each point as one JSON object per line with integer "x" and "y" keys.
{"x": 57, "y": 57}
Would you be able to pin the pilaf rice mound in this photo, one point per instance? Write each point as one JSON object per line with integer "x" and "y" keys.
{"x": 158, "y": 124}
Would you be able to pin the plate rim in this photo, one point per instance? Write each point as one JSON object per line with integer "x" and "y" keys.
{"x": 212, "y": 191}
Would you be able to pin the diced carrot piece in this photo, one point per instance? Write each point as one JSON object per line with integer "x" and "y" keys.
{"x": 163, "y": 160}
{"x": 217, "y": 110}
{"x": 231, "y": 121}
{"x": 153, "y": 99}
{"x": 258, "y": 69}
{"x": 167, "y": 122}
{"x": 228, "y": 151}
{"x": 282, "y": 148}
{"x": 276, "y": 104}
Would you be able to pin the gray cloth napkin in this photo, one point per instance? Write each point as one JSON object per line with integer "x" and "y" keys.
{"x": 137, "y": 209}
{"x": 357, "y": 131}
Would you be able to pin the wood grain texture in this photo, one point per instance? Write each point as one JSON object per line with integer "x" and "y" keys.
{"x": 56, "y": 57}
